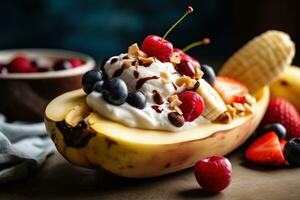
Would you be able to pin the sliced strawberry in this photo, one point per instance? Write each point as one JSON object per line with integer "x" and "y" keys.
{"x": 230, "y": 89}
{"x": 282, "y": 144}
{"x": 266, "y": 150}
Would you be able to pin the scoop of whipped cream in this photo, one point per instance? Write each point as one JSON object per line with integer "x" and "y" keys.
{"x": 148, "y": 80}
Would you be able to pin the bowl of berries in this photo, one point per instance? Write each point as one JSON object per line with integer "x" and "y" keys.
{"x": 30, "y": 78}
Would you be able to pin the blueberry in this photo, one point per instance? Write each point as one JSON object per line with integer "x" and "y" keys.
{"x": 114, "y": 91}
{"x": 89, "y": 79}
{"x": 98, "y": 86}
{"x": 62, "y": 65}
{"x": 291, "y": 151}
{"x": 278, "y": 128}
{"x": 209, "y": 74}
{"x": 137, "y": 99}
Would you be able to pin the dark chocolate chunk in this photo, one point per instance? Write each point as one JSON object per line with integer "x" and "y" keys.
{"x": 176, "y": 119}
{"x": 157, "y": 98}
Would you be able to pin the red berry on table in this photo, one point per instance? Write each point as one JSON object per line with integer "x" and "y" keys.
{"x": 156, "y": 46}
{"x": 214, "y": 173}
{"x": 19, "y": 64}
{"x": 283, "y": 112}
{"x": 75, "y": 62}
{"x": 266, "y": 150}
{"x": 230, "y": 89}
{"x": 192, "y": 105}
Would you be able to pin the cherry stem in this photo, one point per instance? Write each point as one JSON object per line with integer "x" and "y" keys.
{"x": 188, "y": 11}
{"x": 205, "y": 41}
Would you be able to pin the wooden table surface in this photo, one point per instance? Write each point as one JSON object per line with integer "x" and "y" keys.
{"x": 57, "y": 179}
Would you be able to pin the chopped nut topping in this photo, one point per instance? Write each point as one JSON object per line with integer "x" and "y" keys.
{"x": 232, "y": 111}
{"x": 178, "y": 110}
{"x": 165, "y": 77}
{"x": 198, "y": 73}
{"x": 185, "y": 80}
{"x": 175, "y": 58}
{"x": 146, "y": 61}
{"x": 224, "y": 118}
{"x": 142, "y": 54}
{"x": 241, "y": 114}
{"x": 127, "y": 64}
{"x": 239, "y": 107}
{"x": 250, "y": 100}
{"x": 174, "y": 103}
{"x": 172, "y": 98}
{"x": 248, "y": 108}
{"x": 133, "y": 51}
{"x": 77, "y": 114}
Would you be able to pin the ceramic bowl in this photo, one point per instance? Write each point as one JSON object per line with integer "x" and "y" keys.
{"x": 24, "y": 96}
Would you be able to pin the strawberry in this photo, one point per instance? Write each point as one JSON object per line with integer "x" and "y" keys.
{"x": 266, "y": 150}
{"x": 230, "y": 89}
{"x": 282, "y": 144}
{"x": 282, "y": 111}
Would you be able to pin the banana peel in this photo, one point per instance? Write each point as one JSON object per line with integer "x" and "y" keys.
{"x": 288, "y": 86}
{"x": 138, "y": 153}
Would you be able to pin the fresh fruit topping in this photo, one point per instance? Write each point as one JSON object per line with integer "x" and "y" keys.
{"x": 282, "y": 144}
{"x": 98, "y": 86}
{"x": 114, "y": 91}
{"x": 62, "y": 65}
{"x": 214, "y": 173}
{"x": 159, "y": 47}
{"x": 292, "y": 151}
{"x": 19, "y": 64}
{"x": 137, "y": 99}
{"x": 154, "y": 45}
{"x": 89, "y": 79}
{"x": 229, "y": 89}
{"x": 186, "y": 67}
{"x": 209, "y": 74}
{"x": 182, "y": 66}
{"x": 75, "y": 62}
{"x": 266, "y": 150}
{"x": 192, "y": 105}
{"x": 278, "y": 128}
{"x": 282, "y": 111}
{"x": 204, "y": 41}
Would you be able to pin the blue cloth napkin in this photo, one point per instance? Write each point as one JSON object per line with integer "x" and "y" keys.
{"x": 23, "y": 148}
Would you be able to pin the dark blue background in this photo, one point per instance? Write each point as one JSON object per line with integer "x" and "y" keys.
{"x": 105, "y": 28}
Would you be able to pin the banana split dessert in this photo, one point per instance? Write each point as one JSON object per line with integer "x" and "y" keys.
{"x": 154, "y": 100}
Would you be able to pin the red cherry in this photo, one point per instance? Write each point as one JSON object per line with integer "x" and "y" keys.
{"x": 186, "y": 68}
{"x": 186, "y": 57}
{"x": 75, "y": 62}
{"x": 19, "y": 64}
{"x": 192, "y": 105}
{"x": 187, "y": 64}
{"x": 214, "y": 173}
{"x": 154, "y": 45}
